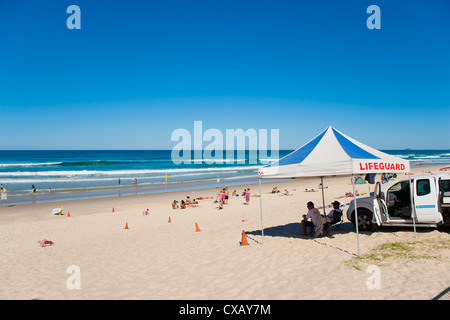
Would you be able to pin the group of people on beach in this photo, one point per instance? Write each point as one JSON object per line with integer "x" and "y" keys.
{"x": 223, "y": 196}
{"x": 275, "y": 190}
{"x": 321, "y": 224}
{"x": 188, "y": 202}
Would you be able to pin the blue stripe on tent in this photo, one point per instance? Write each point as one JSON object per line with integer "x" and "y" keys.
{"x": 300, "y": 154}
{"x": 352, "y": 149}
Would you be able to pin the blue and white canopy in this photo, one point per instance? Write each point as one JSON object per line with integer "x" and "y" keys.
{"x": 333, "y": 153}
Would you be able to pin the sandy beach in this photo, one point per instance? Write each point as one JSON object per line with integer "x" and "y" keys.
{"x": 158, "y": 259}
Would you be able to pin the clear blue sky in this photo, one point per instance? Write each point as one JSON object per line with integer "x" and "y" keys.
{"x": 137, "y": 70}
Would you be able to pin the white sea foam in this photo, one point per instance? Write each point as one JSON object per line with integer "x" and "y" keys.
{"x": 118, "y": 173}
{"x": 29, "y": 164}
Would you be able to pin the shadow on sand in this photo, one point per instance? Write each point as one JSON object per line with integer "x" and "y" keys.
{"x": 294, "y": 230}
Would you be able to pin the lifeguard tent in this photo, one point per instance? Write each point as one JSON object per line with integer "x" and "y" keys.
{"x": 332, "y": 153}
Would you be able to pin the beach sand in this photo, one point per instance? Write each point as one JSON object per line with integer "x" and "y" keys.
{"x": 155, "y": 259}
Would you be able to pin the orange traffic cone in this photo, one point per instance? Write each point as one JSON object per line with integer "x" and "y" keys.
{"x": 244, "y": 239}
{"x": 197, "y": 229}
{"x": 169, "y": 220}
{"x": 113, "y": 210}
{"x": 126, "y": 225}
{"x": 68, "y": 214}
{"x": 244, "y": 219}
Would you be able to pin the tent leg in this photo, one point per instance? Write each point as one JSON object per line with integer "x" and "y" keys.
{"x": 260, "y": 210}
{"x": 323, "y": 196}
{"x": 356, "y": 212}
{"x": 413, "y": 208}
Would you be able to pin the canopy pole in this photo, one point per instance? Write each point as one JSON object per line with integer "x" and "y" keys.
{"x": 323, "y": 196}
{"x": 260, "y": 210}
{"x": 356, "y": 212}
{"x": 413, "y": 207}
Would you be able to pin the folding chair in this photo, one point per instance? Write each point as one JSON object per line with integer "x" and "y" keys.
{"x": 339, "y": 222}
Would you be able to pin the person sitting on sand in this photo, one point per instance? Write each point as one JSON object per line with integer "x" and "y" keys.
{"x": 145, "y": 212}
{"x": 188, "y": 201}
{"x": 275, "y": 190}
{"x": 182, "y": 205}
{"x": 286, "y": 193}
{"x": 312, "y": 214}
{"x": 219, "y": 196}
{"x": 234, "y": 194}
{"x": 174, "y": 204}
{"x": 334, "y": 216}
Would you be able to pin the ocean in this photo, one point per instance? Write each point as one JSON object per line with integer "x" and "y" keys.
{"x": 46, "y": 176}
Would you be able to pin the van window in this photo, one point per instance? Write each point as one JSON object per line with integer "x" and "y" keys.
{"x": 423, "y": 187}
{"x": 445, "y": 185}
{"x": 400, "y": 186}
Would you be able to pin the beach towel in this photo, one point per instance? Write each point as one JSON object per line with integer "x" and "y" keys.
{"x": 319, "y": 230}
{"x": 45, "y": 243}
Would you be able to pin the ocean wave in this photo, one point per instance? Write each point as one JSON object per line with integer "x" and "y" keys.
{"x": 93, "y": 179}
{"x": 118, "y": 173}
{"x": 30, "y": 164}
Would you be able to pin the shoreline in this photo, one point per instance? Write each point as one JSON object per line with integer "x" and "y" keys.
{"x": 105, "y": 204}
{"x": 128, "y": 190}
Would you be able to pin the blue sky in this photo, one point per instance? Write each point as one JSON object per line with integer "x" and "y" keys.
{"x": 138, "y": 70}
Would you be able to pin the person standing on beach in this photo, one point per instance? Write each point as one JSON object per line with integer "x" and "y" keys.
{"x": 119, "y": 182}
{"x": 226, "y": 195}
{"x": 247, "y": 196}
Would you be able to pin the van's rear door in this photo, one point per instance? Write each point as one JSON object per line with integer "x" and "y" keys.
{"x": 379, "y": 206}
{"x": 426, "y": 200}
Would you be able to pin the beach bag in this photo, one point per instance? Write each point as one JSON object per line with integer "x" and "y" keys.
{"x": 57, "y": 211}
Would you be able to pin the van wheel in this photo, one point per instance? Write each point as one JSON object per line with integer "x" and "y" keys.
{"x": 364, "y": 220}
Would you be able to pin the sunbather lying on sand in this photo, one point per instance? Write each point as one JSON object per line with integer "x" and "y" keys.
{"x": 45, "y": 243}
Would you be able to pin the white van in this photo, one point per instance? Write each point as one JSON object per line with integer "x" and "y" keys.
{"x": 392, "y": 205}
